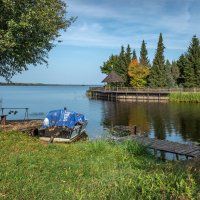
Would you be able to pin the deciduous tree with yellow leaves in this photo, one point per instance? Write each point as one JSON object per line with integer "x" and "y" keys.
{"x": 138, "y": 74}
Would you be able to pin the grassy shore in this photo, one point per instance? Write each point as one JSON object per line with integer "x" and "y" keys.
{"x": 30, "y": 169}
{"x": 185, "y": 97}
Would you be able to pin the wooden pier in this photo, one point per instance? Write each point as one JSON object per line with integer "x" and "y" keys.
{"x": 187, "y": 150}
{"x": 134, "y": 94}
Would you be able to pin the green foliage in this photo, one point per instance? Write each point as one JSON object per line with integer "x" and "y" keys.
{"x": 185, "y": 97}
{"x": 185, "y": 72}
{"x": 89, "y": 170}
{"x": 192, "y": 69}
{"x": 189, "y": 65}
{"x": 172, "y": 74}
{"x": 134, "y": 56}
{"x": 123, "y": 62}
{"x": 157, "y": 76}
{"x": 175, "y": 72}
{"x": 181, "y": 64}
{"x": 28, "y": 30}
{"x": 110, "y": 64}
{"x": 144, "y": 60}
{"x": 119, "y": 63}
{"x": 136, "y": 149}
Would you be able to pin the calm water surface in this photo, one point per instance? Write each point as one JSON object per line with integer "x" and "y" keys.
{"x": 172, "y": 121}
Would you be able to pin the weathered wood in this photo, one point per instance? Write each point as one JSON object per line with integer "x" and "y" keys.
{"x": 83, "y": 135}
{"x": 3, "y": 119}
{"x": 176, "y": 148}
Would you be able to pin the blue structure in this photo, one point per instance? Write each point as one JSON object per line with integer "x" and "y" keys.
{"x": 63, "y": 118}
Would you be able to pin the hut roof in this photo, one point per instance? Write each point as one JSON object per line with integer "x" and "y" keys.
{"x": 113, "y": 77}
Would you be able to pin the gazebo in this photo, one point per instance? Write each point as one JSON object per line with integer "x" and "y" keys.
{"x": 113, "y": 77}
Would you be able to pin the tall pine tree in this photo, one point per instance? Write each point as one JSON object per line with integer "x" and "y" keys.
{"x": 121, "y": 68}
{"x": 144, "y": 55}
{"x": 181, "y": 64}
{"x": 134, "y": 56}
{"x": 157, "y": 76}
{"x": 127, "y": 61}
{"x": 175, "y": 73}
{"x": 189, "y": 65}
{"x": 171, "y": 73}
{"x": 193, "y": 63}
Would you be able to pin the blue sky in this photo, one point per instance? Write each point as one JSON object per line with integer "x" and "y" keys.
{"x": 103, "y": 26}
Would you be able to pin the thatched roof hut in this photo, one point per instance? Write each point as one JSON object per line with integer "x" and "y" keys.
{"x": 113, "y": 77}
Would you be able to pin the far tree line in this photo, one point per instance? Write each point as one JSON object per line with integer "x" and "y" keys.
{"x": 139, "y": 72}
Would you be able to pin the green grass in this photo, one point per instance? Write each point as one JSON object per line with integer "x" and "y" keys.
{"x": 30, "y": 169}
{"x": 185, "y": 97}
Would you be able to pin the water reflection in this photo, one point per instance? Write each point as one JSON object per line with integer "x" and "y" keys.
{"x": 171, "y": 121}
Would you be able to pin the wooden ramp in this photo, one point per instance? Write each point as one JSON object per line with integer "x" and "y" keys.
{"x": 187, "y": 150}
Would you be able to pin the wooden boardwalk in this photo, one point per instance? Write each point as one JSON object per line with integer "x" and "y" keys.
{"x": 188, "y": 150}
{"x": 134, "y": 94}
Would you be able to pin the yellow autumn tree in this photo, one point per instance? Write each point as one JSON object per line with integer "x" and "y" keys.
{"x": 138, "y": 74}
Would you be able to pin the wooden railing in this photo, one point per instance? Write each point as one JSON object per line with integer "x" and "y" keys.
{"x": 156, "y": 90}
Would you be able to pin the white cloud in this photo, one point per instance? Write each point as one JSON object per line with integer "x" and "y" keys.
{"x": 111, "y": 24}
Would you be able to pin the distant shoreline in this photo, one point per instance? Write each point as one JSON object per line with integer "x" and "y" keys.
{"x": 41, "y": 84}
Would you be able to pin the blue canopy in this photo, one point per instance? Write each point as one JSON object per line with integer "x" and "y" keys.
{"x": 63, "y": 117}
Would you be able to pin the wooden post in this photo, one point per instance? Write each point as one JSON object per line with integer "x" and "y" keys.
{"x": 135, "y": 130}
{"x": 3, "y": 119}
{"x": 155, "y": 153}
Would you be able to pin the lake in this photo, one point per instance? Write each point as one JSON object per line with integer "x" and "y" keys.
{"x": 171, "y": 121}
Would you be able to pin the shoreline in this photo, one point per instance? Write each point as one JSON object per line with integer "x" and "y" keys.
{"x": 41, "y": 84}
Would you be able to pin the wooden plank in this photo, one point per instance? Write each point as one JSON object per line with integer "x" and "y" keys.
{"x": 189, "y": 150}
{"x": 175, "y": 145}
{"x": 167, "y": 146}
{"x": 195, "y": 153}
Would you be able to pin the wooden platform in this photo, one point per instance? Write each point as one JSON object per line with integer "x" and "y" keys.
{"x": 134, "y": 94}
{"x": 188, "y": 150}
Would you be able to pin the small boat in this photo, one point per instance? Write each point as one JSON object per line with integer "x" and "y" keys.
{"x": 63, "y": 126}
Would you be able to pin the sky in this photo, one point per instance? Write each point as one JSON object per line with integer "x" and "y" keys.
{"x": 102, "y": 27}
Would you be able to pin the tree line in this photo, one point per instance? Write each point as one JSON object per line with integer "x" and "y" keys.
{"x": 139, "y": 72}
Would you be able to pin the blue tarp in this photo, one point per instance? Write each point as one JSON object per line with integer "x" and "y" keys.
{"x": 63, "y": 118}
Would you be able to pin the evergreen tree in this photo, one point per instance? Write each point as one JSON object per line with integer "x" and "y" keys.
{"x": 144, "y": 58}
{"x": 181, "y": 64}
{"x": 119, "y": 63}
{"x": 110, "y": 64}
{"x": 144, "y": 55}
{"x": 128, "y": 54}
{"x": 134, "y": 56}
{"x": 170, "y": 79}
{"x": 189, "y": 75}
{"x": 121, "y": 68}
{"x": 189, "y": 65}
{"x": 193, "y": 57}
{"x": 127, "y": 61}
{"x": 158, "y": 74}
{"x": 175, "y": 73}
